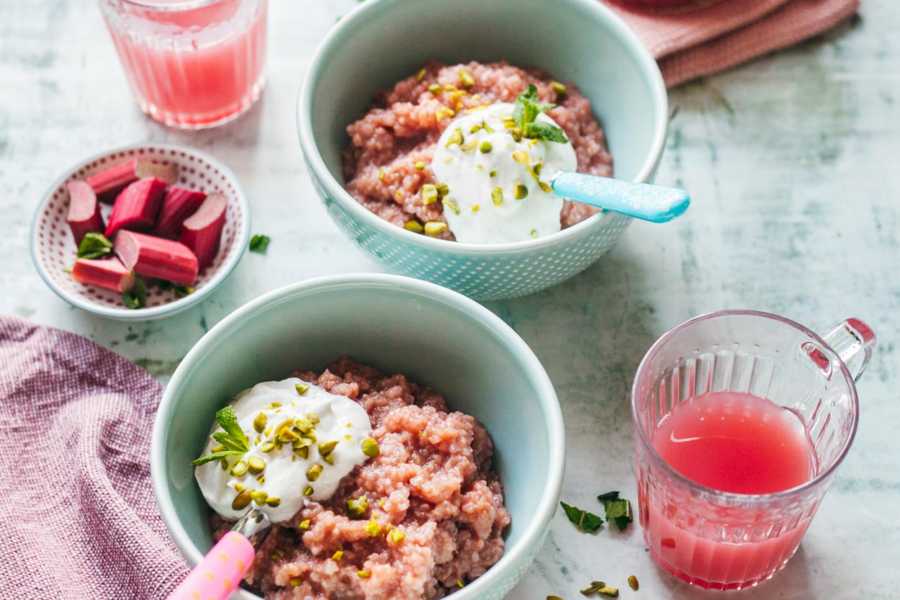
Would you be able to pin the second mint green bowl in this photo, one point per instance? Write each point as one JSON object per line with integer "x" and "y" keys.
{"x": 580, "y": 41}
{"x": 435, "y": 336}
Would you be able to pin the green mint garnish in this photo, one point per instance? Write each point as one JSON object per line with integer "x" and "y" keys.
{"x": 136, "y": 297}
{"x": 618, "y": 510}
{"x": 232, "y": 437}
{"x": 180, "y": 290}
{"x": 583, "y": 520}
{"x": 528, "y": 107}
{"x": 94, "y": 245}
{"x": 259, "y": 243}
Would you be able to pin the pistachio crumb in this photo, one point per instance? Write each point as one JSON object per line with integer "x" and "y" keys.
{"x": 451, "y": 204}
{"x": 304, "y": 525}
{"x": 369, "y": 445}
{"x": 373, "y": 528}
{"x": 358, "y": 506}
{"x": 476, "y": 208}
{"x": 414, "y": 226}
{"x": 497, "y": 196}
{"x": 267, "y": 447}
{"x": 443, "y": 189}
{"x": 429, "y": 194}
{"x": 363, "y": 574}
{"x": 421, "y": 74}
{"x": 435, "y": 228}
{"x": 559, "y": 88}
{"x": 460, "y": 583}
{"x": 493, "y": 173}
{"x": 326, "y": 448}
{"x": 486, "y": 147}
{"x": 520, "y": 191}
{"x": 313, "y": 472}
{"x": 521, "y": 157}
{"x": 456, "y": 138}
{"x": 396, "y": 536}
{"x": 435, "y": 88}
{"x": 420, "y": 165}
{"x": 259, "y": 422}
{"x": 381, "y": 174}
{"x": 259, "y": 496}
{"x": 273, "y": 501}
{"x": 445, "y": 112}
{"x": 239, "y": 469}
{"x": 533, "y": 233}
{"x": 337, "y": 556}
{"x": 301, "y": 388}
{"x": 256, "y": 465}
{"x": 296, "y": 581}
{"x": 308, "y": 491}
{"x": 465, "y": 79}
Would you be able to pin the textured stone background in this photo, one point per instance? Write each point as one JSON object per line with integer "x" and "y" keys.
{"x": 793, "y": 164}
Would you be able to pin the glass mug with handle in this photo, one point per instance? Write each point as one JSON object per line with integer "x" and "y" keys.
{"x": 721, "y": 539}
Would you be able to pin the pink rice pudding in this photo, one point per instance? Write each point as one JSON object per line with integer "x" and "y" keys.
{"x": 433, "y": 515}
{"x": 388, "y": 160}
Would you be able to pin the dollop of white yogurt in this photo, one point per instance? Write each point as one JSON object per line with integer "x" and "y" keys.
{"x": 491, "y": 159}
{"x": 285, "y": 475}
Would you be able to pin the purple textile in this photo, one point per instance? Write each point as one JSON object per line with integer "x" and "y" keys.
{"x": 78, "y": 512}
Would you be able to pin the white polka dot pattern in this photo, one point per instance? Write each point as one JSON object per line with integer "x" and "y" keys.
{"x": 54, "y": 248}
{"x": 488, "y": 277}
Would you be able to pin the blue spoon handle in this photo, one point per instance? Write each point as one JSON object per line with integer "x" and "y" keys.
{"x": 654, "y": 203}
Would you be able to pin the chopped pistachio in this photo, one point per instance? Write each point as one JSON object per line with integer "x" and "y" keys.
{"x": 273, "y": 501}
{"x": 449, "y": 87}
{"x": 256, "y": 465}
{"x": 302, "y": 452}
{"x": 239, "y": 469}
{"x": 497, "y": 196}
{"x": 326, "y": 448}
{"x": 396, "y": 536}
{"x": 313, "y": 472}
{"x": 261, "y": 479}
{"x": 521, "y": 157}
{"x": 296, "y": 581}
{"x": 445, "y": 112}
{"x": 443, "y": 189}
{"x": 545, "y": 187}
{"x": 304, "y": 424}
{"x": 414, "y": 226}
{"x": 533, "y": 233}
{"x": 435, "y": 228}
{"x": 304, "y": 525}
{"x": 469, "y": 146}
{"x": 456, "y": 138}
{"x": 381, "y": 174}
{"x": 277, "y": 555}
{"x": 239, "y": 487}
{"x": 609, "y": 591}
{"x": 633, "y": 583}
{"x": 420, "y": 165}
{"x": 357, "y": 507}
{"x": 465, "y": 78}
{"x": 429, "y": 194}
{"x": 242, "y": 500}
{"x": 301, "y": 388}
{"x": 369, "y": 445}
{"x": 520, "y": 191}
{"x": 308, "y": 491}
{"x": 337, "y": 556}
{"x": 259, "y": 422}
{"x": 435, "y": 88}
{"x": 363, "y": 574}
{"x": 460, "y": 583}
{"x": 399, "y": 195}
{"x": 493, "y": 173}
{"x": 509, "y": 123}
{"x": 451, "y": 204}
{"x": 267, "y": 447}
{"x": 421, "y": 74}
{"x": 559, "y": 88}
{"x": 329, "y": 459}
{"x": 485, "y": 147}
{"x": 259, "y": 496}
{"x": 476, "y": 127}
{"x": 312, "y": 418}
{"x": 476, "y": 208}
{"x": 373, "y": 528}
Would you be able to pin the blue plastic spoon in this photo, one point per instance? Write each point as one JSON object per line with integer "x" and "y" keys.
{"x": 654, "y": 203}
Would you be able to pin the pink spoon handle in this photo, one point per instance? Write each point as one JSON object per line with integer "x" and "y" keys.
{"x": 219, "y": 574}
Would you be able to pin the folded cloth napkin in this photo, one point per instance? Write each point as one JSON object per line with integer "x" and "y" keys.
{"x": 708, "y": 36}
{"x": 80, "y": 520}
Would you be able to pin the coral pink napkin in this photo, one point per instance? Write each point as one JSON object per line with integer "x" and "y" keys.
{"x": 709, "y": 36}
{"x": 79, "y": 517}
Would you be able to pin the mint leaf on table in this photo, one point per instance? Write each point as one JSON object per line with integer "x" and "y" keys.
{"x": 94, "y": 245}
{"x": 136, "y": 297}
{"x": 618, "y": 510}
{"x": 583, "y": 520}
{"x": 259, "y": 243}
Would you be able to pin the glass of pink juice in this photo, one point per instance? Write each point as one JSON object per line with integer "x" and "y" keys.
{"x": 741, "y": 419}
{"x": 191, "y": 63}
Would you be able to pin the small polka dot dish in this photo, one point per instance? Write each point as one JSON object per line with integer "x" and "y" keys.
{"x": 54, "y": 251}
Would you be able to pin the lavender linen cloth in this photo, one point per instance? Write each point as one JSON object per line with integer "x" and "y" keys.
{"x": 78, "y": 512}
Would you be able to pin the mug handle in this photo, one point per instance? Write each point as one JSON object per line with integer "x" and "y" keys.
{"x": 853, "y": 341}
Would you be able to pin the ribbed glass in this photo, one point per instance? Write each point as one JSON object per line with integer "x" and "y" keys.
{"x": 721, "y": 540}
{"x": 191, "y": 63}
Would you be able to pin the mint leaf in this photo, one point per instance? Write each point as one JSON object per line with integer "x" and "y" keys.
{"x": 259, "y": 243}
{"x": 136, "y": 297}
{"x": 618, "y": 510}
{"x": 94, "y": 245}
{"x": 228, "y": 421}
{"x": 546, "y": 132}
{"x": 215, "y": 456}
{"x": 583, "y": 520}
{"x": 526, "y": 112}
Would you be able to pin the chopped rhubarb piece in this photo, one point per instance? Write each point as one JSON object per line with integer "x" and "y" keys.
{"x": 108, "y": 182}
{"x": 136, "y": 206}
{"x": 157, "y": 257}
{"x": 202, "y": 232}
{"x": 84, "y": 210}
{"x": 108, "y": 273}
{"x": 178, "y": 205}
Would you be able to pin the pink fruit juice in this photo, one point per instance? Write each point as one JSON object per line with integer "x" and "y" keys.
{"x": 191, "y": 63}
{"x": 730, "y": 442}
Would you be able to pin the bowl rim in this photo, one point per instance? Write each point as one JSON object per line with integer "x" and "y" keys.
{"x": 344, "y": 28}
{"x": 156, "y": 312}
{"x": 535, "y": 528}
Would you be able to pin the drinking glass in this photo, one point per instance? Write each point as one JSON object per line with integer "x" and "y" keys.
{"x": 721, "y": 540}
{"x": 191, "y": 63}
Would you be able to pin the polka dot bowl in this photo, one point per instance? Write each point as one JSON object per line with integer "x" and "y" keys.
{"x": 608, "y": 64}
{"x": 53, "y": 249}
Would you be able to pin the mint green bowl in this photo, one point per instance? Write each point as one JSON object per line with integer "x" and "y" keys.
{"x": 581, "y": 41}
{"x": 436, "y": 336}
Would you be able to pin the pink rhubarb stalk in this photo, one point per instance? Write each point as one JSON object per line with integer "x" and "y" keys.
{"x": 108, "y": 182}
{"x": 136, "y": 206}
{"x": 108, "y": 273}
{"x": 156, "y": 257}
{"x": 178, "y": 205}
{"x": 202, "y": 232}
{"x": 84, "y": 210}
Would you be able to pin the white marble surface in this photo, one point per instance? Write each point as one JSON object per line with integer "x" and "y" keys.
{"x": 793, "y": 163}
